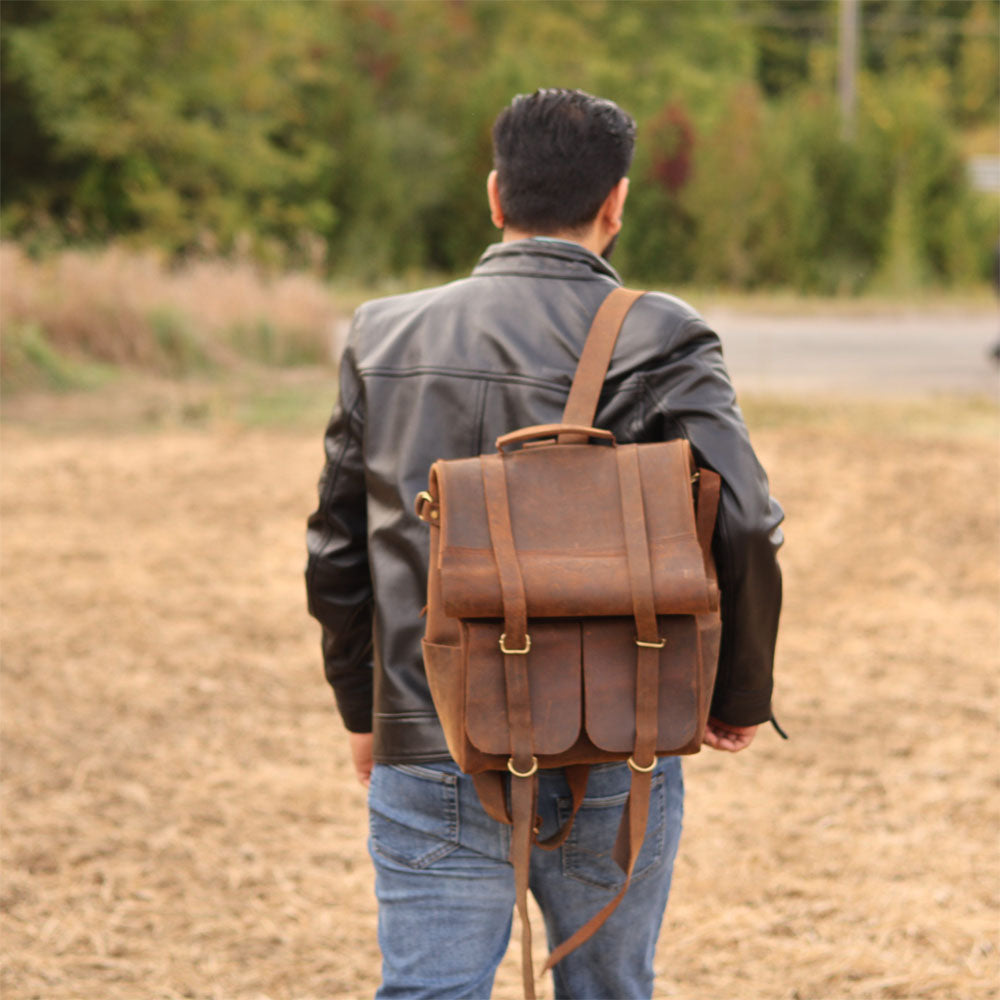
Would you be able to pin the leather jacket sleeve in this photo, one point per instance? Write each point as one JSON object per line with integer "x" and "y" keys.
{"x": 691, "y": 396}
{"x": 338, "y": 577}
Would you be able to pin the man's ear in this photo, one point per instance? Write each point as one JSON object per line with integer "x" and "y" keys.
{"x": 611, "y": 211}
{"x": 493, "y": 196}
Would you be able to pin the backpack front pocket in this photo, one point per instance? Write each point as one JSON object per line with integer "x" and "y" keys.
{"x": 554, "y": 670}
{"x": 609, "y": 677}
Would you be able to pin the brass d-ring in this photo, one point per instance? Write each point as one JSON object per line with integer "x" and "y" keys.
{"x": 642, "y": 770}
{"x": 515, "y": 652}
{"x": 525, "y": 774}
{"x": 425, "y": 501}
{"x": 659, "y": 644}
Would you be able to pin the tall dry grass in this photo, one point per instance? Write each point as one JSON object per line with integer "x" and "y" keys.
{"x": 126, "y": 307}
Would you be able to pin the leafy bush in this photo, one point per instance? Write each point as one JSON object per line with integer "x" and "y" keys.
{"x": 778, "y": 197}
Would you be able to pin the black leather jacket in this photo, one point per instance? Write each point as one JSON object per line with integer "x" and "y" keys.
{"x": 440, "y": 374}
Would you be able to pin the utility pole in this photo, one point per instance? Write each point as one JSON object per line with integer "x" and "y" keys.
{"x": 848, "y": 66}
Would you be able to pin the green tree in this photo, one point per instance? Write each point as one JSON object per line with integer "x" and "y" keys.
{"x": 977, "y": 72}
{"x": 179, "y": 119}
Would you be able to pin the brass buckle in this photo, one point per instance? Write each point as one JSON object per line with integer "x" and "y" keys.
{"x": 642, "y": 770}
{"x": 526, "y": 774}
{"x": 659, "y": 644}
{"x": 423, "y": 497}
{"x": 515, "y": 652}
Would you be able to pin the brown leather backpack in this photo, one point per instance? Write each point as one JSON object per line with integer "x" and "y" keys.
{"x": 572, "y": 613}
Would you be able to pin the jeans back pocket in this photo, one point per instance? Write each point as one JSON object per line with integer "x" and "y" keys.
{"x": 587, "y": 853}
{"x": 413, "y": 813}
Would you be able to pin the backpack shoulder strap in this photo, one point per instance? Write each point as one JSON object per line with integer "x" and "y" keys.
{"x": 581, "y": 405}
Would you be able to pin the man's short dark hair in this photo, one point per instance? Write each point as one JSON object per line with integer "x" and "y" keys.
{"x": 558, "y": 154}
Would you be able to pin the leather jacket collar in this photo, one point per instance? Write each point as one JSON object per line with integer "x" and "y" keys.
{"x": 543, "y": 257}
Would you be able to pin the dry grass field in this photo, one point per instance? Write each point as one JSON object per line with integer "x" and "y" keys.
{"x": 179, "y": 816}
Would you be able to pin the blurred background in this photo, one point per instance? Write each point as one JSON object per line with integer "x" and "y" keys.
{"x": 807, "y": 146}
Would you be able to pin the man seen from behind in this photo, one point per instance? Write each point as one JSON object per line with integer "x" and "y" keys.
{"x": 441, "y": 373}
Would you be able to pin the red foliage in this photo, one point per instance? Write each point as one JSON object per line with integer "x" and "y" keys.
{"x": 374, "y": 53}
{"x": 671, "y": 137}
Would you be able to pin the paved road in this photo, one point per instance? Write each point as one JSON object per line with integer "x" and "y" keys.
{"x": 908, "y": 353}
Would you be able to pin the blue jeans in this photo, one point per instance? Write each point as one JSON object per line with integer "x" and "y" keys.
{"x": 445, "y": 888}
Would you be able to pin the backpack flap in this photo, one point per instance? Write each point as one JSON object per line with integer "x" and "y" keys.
{"x": 572, "y": 554}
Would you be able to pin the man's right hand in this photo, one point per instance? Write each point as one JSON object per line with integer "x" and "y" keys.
{"x": 361, "y": 751}
{"x": 722, "y": 736}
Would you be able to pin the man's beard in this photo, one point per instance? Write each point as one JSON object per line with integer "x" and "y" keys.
{"x": 609, "y": 249}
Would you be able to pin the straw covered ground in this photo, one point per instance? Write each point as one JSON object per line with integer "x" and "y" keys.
{"x": 179, "y": 815}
